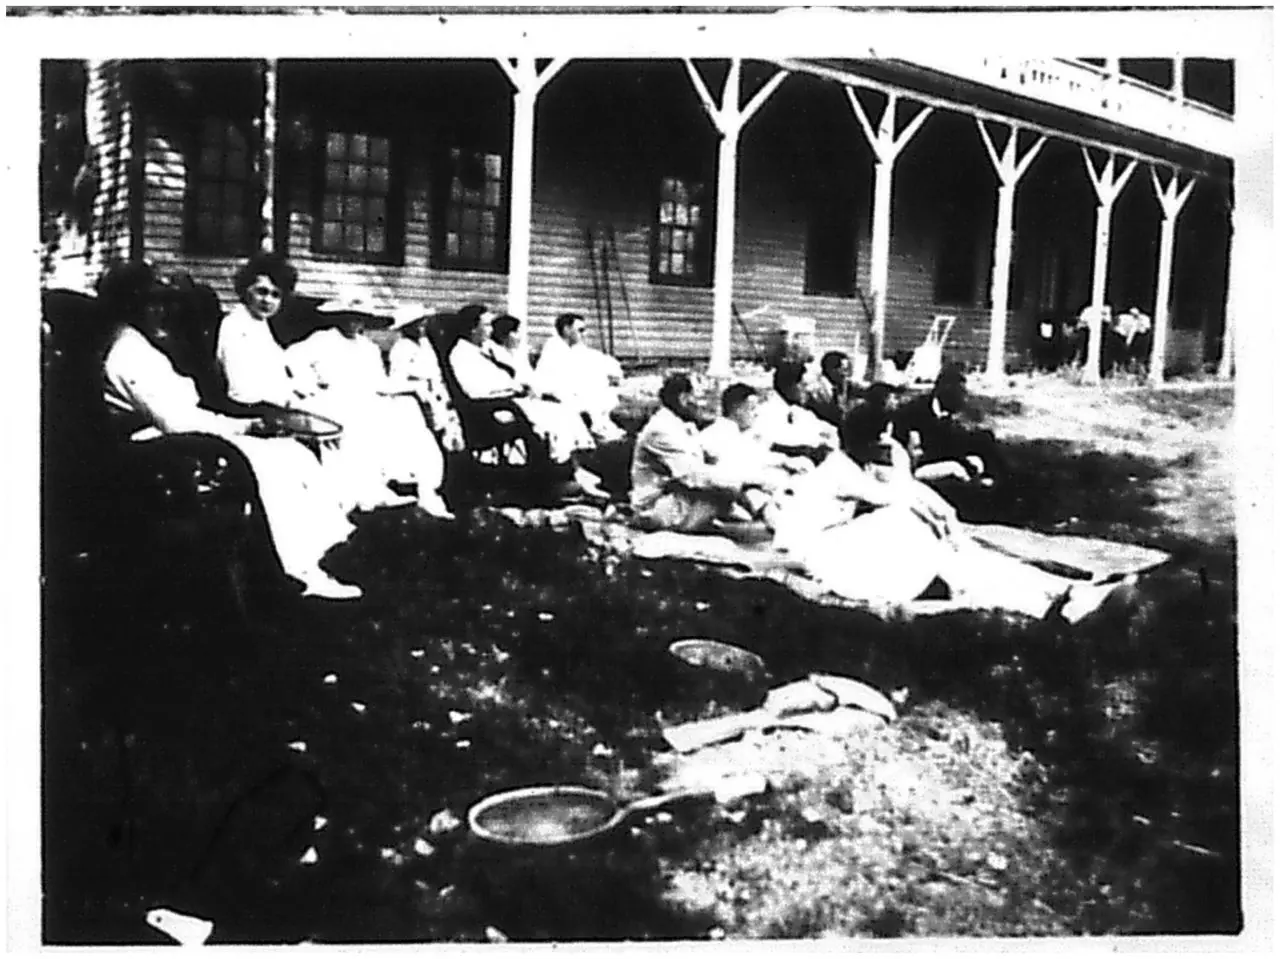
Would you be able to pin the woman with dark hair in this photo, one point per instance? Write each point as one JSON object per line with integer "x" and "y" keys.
{"x": 147, "y": 397}
{"x": 506, "y": 347}
{"x": 251, "y": 359}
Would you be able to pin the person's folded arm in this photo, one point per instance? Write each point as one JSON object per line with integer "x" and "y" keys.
{"x": 170, "y": 402}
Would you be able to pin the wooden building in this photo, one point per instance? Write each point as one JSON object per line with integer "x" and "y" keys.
{"x": 683, "y": 204}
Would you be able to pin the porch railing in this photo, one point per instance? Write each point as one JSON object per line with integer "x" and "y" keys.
{"x": 1099, "y": 92}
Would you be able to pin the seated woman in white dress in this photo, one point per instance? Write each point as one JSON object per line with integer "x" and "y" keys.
{"x": 258, "y": 370}
{"x": 141, "y": 386}
{"x": 385, "y": 435}
{"x": 480, "y": 378}
{"x": 584, "y": 379}
{"x": 412, "y": 363}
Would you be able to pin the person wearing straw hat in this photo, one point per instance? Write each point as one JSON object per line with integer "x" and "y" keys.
{"x": 385, "y": 437}
{"x": 147, "y": 396}
{"x": 413, "y": 363}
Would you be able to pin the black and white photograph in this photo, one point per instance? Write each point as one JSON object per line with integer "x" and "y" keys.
{"x": 759, "y": 472}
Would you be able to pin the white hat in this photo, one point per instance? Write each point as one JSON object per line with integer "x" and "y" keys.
{"x": 348, "y": 300}
{"x": 403, "y": 316}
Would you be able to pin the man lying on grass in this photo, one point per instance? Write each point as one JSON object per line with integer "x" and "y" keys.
{"x": 859, "y": 525}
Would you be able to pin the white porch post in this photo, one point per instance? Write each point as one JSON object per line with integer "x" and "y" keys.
{"x": 1171, "y": 197}
{"x": 528, "y": 83}
{"x": 1009, "y": 170}
{"x": 1106, "y": 187}
{"x": 729, "y": 118}
{"x": 885, "y": 147}
{"x": 269, "y": 126}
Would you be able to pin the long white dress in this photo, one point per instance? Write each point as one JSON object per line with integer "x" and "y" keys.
{"x": 385, "y": 437}
{"x": 303, "y": 511}
{"x": 890, "y": 554}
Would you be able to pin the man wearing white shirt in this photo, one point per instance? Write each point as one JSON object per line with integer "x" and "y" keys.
{"x": 584, "y": 379}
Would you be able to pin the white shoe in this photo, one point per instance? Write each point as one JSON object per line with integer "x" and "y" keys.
{"x": 434, "y": 505}
{"x": 324, "y": 586}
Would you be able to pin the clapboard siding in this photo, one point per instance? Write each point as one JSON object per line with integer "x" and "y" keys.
{"x": 109, "y": 128}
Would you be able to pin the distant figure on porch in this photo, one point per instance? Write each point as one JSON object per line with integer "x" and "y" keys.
{"x": 583, "y": 378}
{"x": 835, "y": 394}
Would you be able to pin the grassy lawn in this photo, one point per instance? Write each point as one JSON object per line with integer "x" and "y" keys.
{"x": 301, "y": 779}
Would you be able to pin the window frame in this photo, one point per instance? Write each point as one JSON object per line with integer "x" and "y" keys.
{"x": 443, "y": 201}
{"x": 193, "y": 244}
{"x": 394, "y": 253}
{"x": 704, "y": 276}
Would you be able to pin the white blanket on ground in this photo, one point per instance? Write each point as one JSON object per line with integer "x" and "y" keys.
{"x": 1080, "y": 558}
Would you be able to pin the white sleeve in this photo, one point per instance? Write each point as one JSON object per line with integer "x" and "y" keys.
{"x": 147, "y": 381}
{"x": 254, "y": 374}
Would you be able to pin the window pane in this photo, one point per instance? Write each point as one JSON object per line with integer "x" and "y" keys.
{"x": 206, "y": 227}
{"x": 233, "y": 231}
{"x": 470, "y": 221}
{"x": 470, "y": 246}
{"x": 451, "y": 245}
{"x": 489, "y": 223}
{"x": 680, "y": 191}
{"x": 233, "y": 196}
{"x": 668, "y": 188}
{"x": 677, "y": 264}
{"x": 489, "y": 248}
{"x": 690, "y": 242}
{"x": 337, "y": 146}
{"x": 331, "y": 236}
{"x": 208, "y": 198}
{"x": 357, "y": 176}
{"x": 493, "y": 166}
{"x": 376, "y": 240}
{"x": 677, "y": 241}
{"x": 332, "y": 207}
{"x": 210, "y": 161}
{"x": 376, "y": 209}
{"x": 455, "y": 189}
{"x": 682, "y": 215}
{"x": 237, "y": 165}
{"x": 695, "y": 215}
{"x": 334, "y": 174}
{"x": 667, "y": 213}
{"x": 379, "y": 149}
{"x": 353, "y": 209}
{"x": 355, "y": 237}
{"x": 493, "y": 194}
{"x": 359, "y": 146}
{"x": 379, "y": 179}
{"x": 453, "y": 221}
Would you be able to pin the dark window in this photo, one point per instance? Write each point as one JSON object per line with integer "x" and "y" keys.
{"x": 472, "y": 212}
{"x": 680, "y": 249}
{"x": 831, "y": 247}
{"x": 1159, "y": 73}
{"x": 220, "y": 215}
{"x": 955, "y": 280}
{"x": 1211, "y": 82}
{"x": 357, "y": 215}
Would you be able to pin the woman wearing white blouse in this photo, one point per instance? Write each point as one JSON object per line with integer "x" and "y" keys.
{"x": 150, "y": 398}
